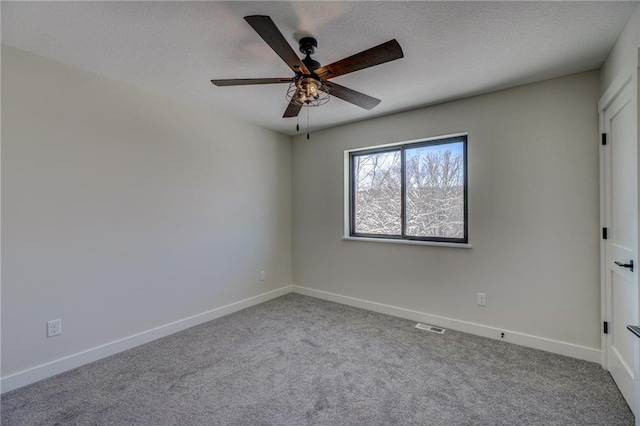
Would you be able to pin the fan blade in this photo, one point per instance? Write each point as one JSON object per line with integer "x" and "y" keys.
{"x": 267, "y": 29}
{"x": 360, "y": 99}
{"x": 246, "y": 81}
{"x": 292, "y": 110}
{"x": 380, "y": 54}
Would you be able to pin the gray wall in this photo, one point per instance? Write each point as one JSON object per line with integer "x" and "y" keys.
{"x": 533, "y": 214}
{"x": 123, "y": 211}
{"x": 624, "y": 53}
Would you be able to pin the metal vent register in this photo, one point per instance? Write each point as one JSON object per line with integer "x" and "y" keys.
{"x": 431, "y": 328}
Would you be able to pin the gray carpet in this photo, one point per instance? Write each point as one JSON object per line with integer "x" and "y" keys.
{"x": 297, "y": 360}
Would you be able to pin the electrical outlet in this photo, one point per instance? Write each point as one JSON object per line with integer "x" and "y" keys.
{"x": 262, "y": 275}
{"x": 482, "y": 299}
{"x": 54, "y": 327}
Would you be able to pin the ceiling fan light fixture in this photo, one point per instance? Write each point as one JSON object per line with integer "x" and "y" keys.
{"x": 308, "y": 91}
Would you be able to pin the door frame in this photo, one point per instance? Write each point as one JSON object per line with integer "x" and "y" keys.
{"x": 628, "y": 77}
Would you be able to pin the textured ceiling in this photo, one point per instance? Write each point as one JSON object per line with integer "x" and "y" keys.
{"x": 452, "y": 49}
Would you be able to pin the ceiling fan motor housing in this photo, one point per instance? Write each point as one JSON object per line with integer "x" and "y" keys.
{"x": 311, "y": 64}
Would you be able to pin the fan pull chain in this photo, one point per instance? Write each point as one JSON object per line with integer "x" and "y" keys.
{"x": 307, "y": 123}
{"x": 298, "y": 123}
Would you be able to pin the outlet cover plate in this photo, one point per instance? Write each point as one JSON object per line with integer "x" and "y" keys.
{"x": 54, "y": 327}
{"x": 482, "y": 299}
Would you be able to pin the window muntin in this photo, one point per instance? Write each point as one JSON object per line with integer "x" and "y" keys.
{"x": 413, "y": 191}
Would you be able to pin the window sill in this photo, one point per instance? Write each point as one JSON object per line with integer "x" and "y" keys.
{"x": 411, "y": 242}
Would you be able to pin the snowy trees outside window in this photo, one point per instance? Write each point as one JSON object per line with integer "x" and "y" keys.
{"x": 414, "y": 191}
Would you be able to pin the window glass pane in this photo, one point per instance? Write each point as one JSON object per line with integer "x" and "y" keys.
{"x": 377, "y": 186}
{"x": 435, "y": 191}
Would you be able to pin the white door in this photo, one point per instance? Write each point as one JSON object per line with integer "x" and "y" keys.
{"x": 620, "y": 210}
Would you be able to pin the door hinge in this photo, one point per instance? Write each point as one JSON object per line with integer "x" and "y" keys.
{"x": 605, "y": 233}
{"x": 605, "y": 327}
{"x": 604, "y": 139}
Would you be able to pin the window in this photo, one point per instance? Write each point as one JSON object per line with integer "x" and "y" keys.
{"x": 411, "y": 191}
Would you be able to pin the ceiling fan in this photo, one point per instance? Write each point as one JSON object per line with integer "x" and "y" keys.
{"x": 310, "y": 86}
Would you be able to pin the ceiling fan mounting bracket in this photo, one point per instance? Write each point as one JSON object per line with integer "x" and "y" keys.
{"x": 308, "y": 45}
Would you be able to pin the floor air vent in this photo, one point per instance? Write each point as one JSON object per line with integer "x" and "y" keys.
{"x": 431, "y": 328}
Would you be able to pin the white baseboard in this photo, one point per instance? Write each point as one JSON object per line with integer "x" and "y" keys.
{"x": 31, "y": 375}
{"x": 549, "y": 345}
